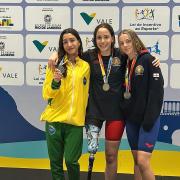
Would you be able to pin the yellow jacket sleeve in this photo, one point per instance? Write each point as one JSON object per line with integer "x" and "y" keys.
{"x": 48, "y": 92}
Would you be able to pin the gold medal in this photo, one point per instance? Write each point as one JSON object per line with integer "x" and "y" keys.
{"x": 106, "y": 87}
{"x": 127, "y": 95}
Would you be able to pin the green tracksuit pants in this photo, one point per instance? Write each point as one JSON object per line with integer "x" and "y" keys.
{"x": 64, "y": 140}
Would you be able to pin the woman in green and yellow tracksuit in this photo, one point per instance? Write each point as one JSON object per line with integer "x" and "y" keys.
{"x": 66, "y": 90}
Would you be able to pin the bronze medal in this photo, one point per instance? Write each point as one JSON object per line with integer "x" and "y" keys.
{"x": 127, "y": 95}
{"x": 106, "y": 87}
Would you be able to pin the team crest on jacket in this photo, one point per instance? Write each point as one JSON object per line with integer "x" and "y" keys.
{"x": 139, "y": 70}
{"x": 84, "y": 80}
{"x": 116, "y": 61}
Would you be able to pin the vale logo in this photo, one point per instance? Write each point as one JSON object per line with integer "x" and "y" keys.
{"x": 87, "y": 18}
{"x": 40, "y": 46}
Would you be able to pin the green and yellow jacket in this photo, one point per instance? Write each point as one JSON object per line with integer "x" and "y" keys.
{"x": 68, "y": 99}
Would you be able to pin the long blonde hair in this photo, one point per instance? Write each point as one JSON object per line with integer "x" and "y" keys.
{"x": 138, "y": 45}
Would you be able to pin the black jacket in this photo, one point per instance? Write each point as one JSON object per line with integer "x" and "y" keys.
{"x": 147, "y": 93}
{"x": 104, "y": 105}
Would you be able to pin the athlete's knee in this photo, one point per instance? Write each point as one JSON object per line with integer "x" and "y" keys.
{"x": 71, "y": 163}
{"x": 143, "y": 162}
{"x": 111, "y": 158}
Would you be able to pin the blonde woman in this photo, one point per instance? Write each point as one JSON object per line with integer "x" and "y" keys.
{"x": 142, "y": 102}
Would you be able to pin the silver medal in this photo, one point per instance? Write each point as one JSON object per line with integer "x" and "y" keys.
{"x": 106, "y": 87}
{"x": 62, "y": 69}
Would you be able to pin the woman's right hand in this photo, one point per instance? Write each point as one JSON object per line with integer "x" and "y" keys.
{"x": 57, "y": 75}
{"x": 53, "y": 60}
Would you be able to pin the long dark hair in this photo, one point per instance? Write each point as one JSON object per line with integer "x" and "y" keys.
{"x": 109, "y": 28}
{"x": 61, "y": 51}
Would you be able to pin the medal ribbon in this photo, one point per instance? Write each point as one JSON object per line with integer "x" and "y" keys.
{"x": 128, "y": 74}
{"x": 63, "y": 61}
{"x": 105, "y": 77}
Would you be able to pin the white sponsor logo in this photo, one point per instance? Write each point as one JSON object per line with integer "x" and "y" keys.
{"x": 86, "y": 18}
{"x": 176, "y": 19}
{"x": 146, "y": 18}
{"x": 87, "y": 41}
{"x": 11, "y": 18}
{"x": 47, "y": 18}
{"x": 11, "y": 73}
{"x": 8, "y": 46}
{"x": 35, "y": 73}
{"x": 157, "y": 45}
{"x": 40, "y": 46}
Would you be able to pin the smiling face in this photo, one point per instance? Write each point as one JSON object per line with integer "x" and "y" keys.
{"x": 126, "y": 45}
{"x": 104, "y": 41}
{"x": 70, "y": 44}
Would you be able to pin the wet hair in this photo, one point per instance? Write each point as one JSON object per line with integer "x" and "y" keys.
{"x": 61, "y": 51}
{"x": 138, "y": 45}
{"x": 109, "y": 28}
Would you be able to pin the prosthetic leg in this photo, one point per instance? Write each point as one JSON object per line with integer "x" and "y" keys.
{"x": 92, "y": 136}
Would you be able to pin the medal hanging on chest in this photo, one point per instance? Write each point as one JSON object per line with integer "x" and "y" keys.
{"x": 128, "y": 77}
{"x": 127, "y": 95}
{"x": 105, "y": 86}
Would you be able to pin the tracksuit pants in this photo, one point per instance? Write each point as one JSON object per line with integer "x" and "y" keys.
{"x": 64, "y": 140}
